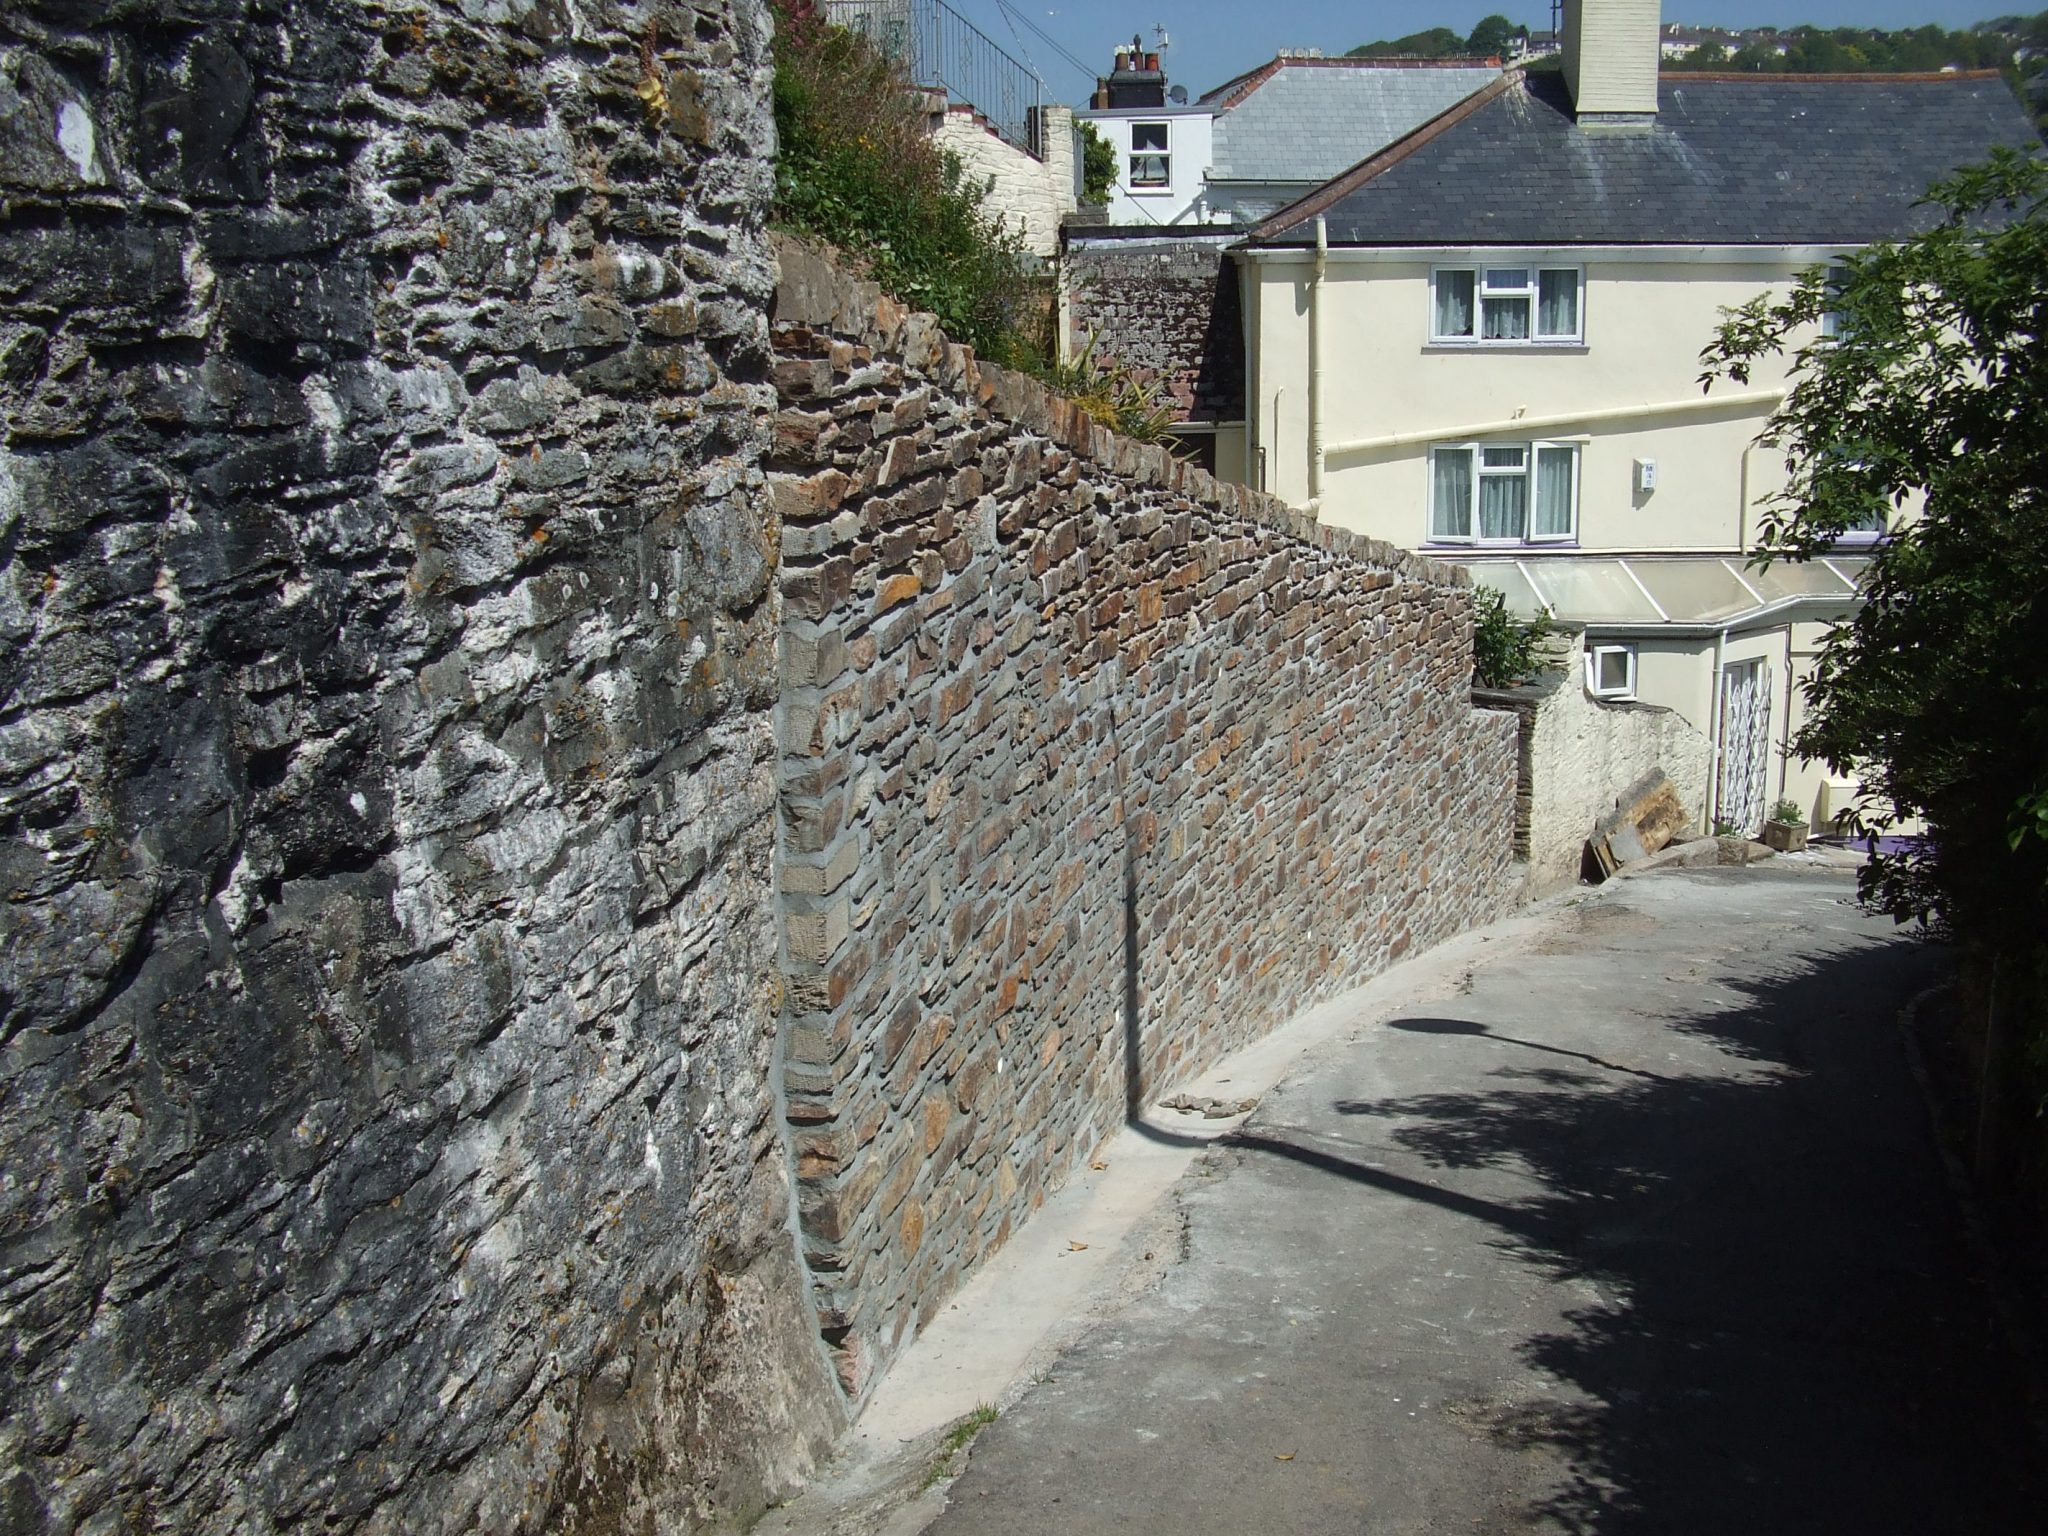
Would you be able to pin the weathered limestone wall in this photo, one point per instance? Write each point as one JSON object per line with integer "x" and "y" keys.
{"x": 387, "y": 780}
{"x": 1093, "y": 768}
{"x": 1576, "y": 754}
{"x": 1031, "y": 195}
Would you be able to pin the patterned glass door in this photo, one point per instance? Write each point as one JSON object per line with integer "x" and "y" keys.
{"x": 1745, "y": 745}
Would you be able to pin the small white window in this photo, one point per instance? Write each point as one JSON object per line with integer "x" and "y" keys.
{"x": 1611, "y": 671}
{"x": 1504, "y": 493}
{"x": 1151, "y": 164}
{"x": 1831, "y": 322}
{"x": 1506, "y": 306}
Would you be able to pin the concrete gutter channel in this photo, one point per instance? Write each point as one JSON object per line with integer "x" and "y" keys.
{"x": 1118, "y": 1231}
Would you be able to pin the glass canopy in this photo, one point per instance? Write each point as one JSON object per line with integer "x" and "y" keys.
{"x": 1649, "y": 591}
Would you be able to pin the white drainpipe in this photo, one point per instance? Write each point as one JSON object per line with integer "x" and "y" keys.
{"x": 1315, "y": 370}
{"x": 1645, "y": 411}
{"x": 1717, "y": 708}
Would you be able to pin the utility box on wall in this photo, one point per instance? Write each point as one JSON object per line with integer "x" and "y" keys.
{"x": 1646, "y": 476}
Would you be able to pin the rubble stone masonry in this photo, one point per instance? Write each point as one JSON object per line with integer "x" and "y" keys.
{"x": 387, "y": 776}
{"x": 1164, "y": 304}
{"x": 1092, "y": 769}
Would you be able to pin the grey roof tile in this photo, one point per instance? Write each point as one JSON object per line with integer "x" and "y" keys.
{"x": 1310, "y": 120}
{"x": 1754, "y": 161}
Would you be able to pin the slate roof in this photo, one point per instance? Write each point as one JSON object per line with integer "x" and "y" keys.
{"x": 1308, "y": 119}
{"x": 1730, "y": 160}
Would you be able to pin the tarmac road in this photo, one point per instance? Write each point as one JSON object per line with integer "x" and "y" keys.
{"x": 1645, "y": 1232}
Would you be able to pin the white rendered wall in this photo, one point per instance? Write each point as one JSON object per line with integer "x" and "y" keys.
{"x": 1191, "y": 148}
{"x": 1030, "y": 194}
{"x": 1584, "y": 753}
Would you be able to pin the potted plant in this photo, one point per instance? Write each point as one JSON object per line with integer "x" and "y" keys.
{"x": 1786, "y": 830}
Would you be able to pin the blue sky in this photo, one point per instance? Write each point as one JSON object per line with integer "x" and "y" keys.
{"x": 1216, "y": 39}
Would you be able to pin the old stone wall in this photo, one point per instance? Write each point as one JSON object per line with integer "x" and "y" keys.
{"x": 1093, "y": 768}
{"x": 387, "y": 774}
{"x": 1576, "y": 754}
{"x": 1165, "y": 304}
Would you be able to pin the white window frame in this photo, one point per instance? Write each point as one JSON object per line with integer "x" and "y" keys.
{"x": 1529, "y": 537}
{"x": 1830, "y": 321}
{"x": 1593, "y": 654}
{"x": 1165, "y": 182}
{"x": 1533, "y": 291}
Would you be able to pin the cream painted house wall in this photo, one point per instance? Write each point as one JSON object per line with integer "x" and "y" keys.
{"x": 1645, "y": 317}
{"x": 1644, "y": 324}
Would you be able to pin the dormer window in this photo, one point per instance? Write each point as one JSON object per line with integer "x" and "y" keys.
{"x": 1151, "y": 163}
{"x": 1517, "y": 306}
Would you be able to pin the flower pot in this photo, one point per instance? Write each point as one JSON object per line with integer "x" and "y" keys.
{"x": 1785, "y": 836}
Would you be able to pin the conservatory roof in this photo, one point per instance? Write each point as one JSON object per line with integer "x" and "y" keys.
{"x": 1666, "y": 592}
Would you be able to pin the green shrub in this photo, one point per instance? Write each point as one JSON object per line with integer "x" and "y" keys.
{"x": 857, "y": 167}
{"x": 1503, "y": 646}
{"x": 1098, "y": 165}
{"x": 1112, "y": 394}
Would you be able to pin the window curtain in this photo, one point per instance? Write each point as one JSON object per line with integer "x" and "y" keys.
{"x": 1557, "y": 306}
{"x": 1454, "y": 303}
{"x": 1554, "y": 492}
{"x": 1451, "y": 494}
{"x": 1503, "y": 506}
{"x": 1506, "y": 319}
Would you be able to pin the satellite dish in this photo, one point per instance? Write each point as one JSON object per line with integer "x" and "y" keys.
{"x": 1178, "y": 95}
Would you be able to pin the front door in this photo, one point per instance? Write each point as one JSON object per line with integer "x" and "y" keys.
{"x": 1745, "y": 745}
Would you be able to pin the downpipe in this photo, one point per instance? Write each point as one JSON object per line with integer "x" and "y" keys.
{"x": 1315, "y": 369}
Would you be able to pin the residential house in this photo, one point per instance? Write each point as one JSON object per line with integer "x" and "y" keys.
{"x": 1153, "y": 288}
{"x": 1163, "y": 144}
{"x": 1263, "y": 139}
{"x": 1677, "y": 41}
{"x": 1484, "y": 343}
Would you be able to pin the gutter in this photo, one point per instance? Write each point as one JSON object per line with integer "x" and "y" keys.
{"x": 1519, "y": 424}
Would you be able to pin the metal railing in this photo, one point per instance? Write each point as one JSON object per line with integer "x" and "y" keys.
{"x": 943, "y": 50}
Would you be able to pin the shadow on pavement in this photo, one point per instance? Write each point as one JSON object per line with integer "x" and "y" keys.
{"x": 1790, "y": 1336}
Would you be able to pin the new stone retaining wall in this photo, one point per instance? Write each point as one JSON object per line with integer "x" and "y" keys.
{"x": 388, "y": 975}
{"x": 1093, "y": 768}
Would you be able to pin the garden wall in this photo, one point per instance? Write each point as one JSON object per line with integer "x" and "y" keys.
{"x": 1165, "y": 304}
{"x": 1031, "y": 195}
{"x": 1093, "y": 768}
{"x": 1576, "y": 754}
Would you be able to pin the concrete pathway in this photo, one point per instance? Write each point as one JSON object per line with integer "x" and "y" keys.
{"x": 1642, "y": 1231}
